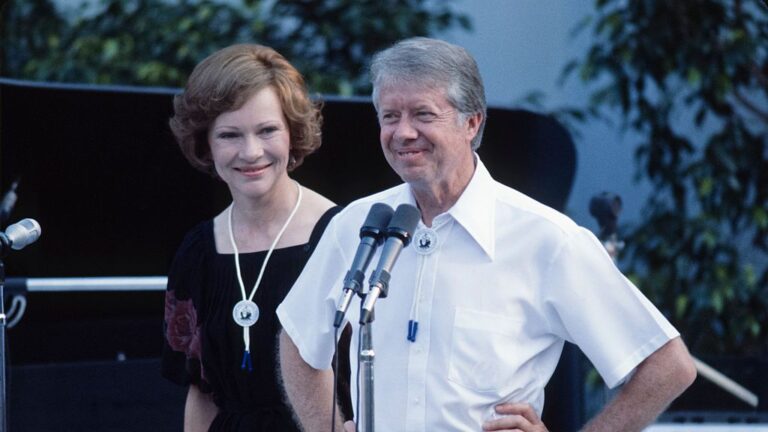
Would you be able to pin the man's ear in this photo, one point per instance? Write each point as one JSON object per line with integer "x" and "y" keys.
{"x": 473, "y": 125}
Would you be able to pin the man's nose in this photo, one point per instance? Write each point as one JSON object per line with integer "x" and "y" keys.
{"x": 405, "y": 130}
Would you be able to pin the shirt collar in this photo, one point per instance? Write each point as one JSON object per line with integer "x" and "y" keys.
{"x": 475, "y": 209}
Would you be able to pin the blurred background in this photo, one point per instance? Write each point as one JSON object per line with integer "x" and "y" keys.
{"x": 662, "y": 104}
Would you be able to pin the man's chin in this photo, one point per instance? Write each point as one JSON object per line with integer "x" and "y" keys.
{"x": 414, "y": 177}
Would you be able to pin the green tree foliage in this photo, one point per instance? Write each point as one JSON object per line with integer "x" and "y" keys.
{"x": 691, "y": 79}
{"x": 158, "y": 42}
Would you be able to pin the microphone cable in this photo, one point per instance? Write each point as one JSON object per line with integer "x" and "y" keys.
{"x": 16, "y": 310}
{"x": 335, "y": 377}
{"x": 357, "y": 380}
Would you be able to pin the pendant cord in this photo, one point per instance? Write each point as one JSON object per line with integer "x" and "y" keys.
{"x": 246, "y": 364}
{"x": 269, "y": 252}
{"x": 413, "y": 321}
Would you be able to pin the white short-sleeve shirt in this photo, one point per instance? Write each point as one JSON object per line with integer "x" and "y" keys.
{"x": 509, "y": 280}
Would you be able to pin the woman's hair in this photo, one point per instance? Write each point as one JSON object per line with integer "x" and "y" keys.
{"x": 223, "y": 82}
{"x": 437, "y": 65}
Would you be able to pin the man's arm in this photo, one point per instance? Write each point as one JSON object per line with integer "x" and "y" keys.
{"x": 309, "y": 390}
{"x": 657, "y": 381}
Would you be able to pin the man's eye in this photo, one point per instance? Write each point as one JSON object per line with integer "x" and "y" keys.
{"x": 425, "y": 115}
{"x": 388, "y": 118}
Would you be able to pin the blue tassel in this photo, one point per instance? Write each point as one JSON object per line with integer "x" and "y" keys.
{"x": 413, "y": 328}
{"x": 247, "y": 361}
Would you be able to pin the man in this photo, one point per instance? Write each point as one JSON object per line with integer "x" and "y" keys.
{"x": 504, "y": 281}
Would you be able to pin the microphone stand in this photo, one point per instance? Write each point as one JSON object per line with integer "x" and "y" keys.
{"x": 400, "y": 228}
{"x": 17, "y": 236}
{"x": 8, "y": 202}
{"x": 367, "y": 356}
{"x": 3, "y": 405}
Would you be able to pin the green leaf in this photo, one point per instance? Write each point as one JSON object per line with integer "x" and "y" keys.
{"x": 693, "y": 76}
{"x": 110, "y": 50}
{"x": 760, "y": 217}
{"x": 717, "y": 302}
{"x": 681, "y": 306}
{"x": 755, "y": 328}
{"x": 706, "y": 185}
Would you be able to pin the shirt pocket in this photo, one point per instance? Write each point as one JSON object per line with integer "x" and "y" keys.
{"x": 483, "y": 345}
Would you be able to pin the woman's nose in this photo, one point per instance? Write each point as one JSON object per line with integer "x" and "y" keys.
{"x": 251, "y": 149}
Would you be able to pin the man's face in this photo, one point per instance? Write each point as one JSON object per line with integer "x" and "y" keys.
{"x": 424, "y": 138}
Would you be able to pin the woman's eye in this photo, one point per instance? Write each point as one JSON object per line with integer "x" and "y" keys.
{"x": 268, "y": 130}
{"x": 227, "y": 135}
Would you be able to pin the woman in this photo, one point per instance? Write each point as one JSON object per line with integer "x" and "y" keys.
{"x": 246, "y": 118}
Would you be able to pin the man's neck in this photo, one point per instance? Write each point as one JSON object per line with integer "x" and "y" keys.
{"x": 436, "y": 199}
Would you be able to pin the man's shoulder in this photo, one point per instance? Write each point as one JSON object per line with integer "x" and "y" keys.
{"x": 510, "y": 200}
{"x": 361, "y": 206}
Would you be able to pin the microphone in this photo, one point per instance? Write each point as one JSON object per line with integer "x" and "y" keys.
{"x": 20, "y": 235}
{"x": 371, "y": 236}
{"x": 399, "y": 233}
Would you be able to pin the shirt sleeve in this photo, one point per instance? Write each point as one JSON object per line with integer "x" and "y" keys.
{"x": 181, "y": 355}
{"x": 308, "y": 310}
{"x": 593, "y": 305}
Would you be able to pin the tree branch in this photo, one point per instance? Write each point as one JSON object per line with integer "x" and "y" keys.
{"x": 754, "y": 109}
{"x": 759, "y": 75}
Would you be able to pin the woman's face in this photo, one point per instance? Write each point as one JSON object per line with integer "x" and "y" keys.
{"x": 250, "y": 146}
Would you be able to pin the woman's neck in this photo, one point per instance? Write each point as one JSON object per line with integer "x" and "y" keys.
{"x": 256, "y": 222}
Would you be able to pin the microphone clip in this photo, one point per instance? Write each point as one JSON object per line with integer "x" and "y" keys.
{"x": 379, "y": 289}
{"x": 353, "y": 281}
{"x": 353, "y": 284}
{"x": 380, "y": 279}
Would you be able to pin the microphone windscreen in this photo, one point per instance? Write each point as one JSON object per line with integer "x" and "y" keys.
{"x": 404, "y": 220}
{"x": 23, "y": 233}
{"x": 378, "y": 216}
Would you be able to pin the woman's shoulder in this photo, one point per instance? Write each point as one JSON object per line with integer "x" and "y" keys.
{"x": 313, "y": 207}
{"x": 316, "y": 203}
{"x": 196, "y": 240}
{"x": 317, "y": 211}
{"x": 184, "y": 272}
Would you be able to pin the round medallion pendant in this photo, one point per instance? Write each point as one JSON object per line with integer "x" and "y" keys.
{"x": 425, "y": 241}
{"x": 245, "y": 313}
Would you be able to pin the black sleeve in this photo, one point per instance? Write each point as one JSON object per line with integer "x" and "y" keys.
{"x": 181, "y": 356}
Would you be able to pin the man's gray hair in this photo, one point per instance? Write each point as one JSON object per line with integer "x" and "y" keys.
{"x": 435, "y": 64}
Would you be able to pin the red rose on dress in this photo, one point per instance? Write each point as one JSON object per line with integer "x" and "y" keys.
{"x": 182, "y": 331}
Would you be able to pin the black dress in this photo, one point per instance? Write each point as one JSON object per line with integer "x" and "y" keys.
{"x": 203, "y": 344}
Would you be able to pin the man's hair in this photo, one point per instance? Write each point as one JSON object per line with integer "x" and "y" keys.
{"x": 435, "y": 64}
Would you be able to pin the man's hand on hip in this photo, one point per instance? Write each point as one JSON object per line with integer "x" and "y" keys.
{"x": 515, "y": 417}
